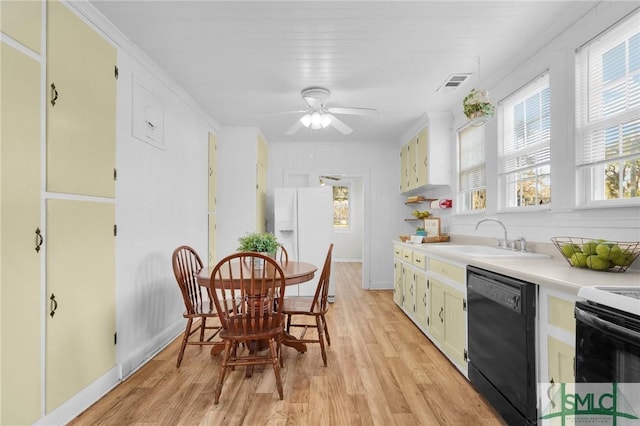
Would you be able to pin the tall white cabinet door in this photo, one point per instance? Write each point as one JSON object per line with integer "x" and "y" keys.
{"x": 80, "y": 323}
{"x": 20, "y": 313}
{"x": 81, "y": 106}
{"x": 213, "y": 170}
{"x": 261, "y": 186}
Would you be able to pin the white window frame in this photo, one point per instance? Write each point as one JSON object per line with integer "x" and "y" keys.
{"x": 474, "y": 164}
{"x": 513, "y": 161}
{"x": 592, "y": 155}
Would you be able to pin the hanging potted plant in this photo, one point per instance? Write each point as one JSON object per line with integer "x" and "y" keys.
{"x": 478, "y": 106}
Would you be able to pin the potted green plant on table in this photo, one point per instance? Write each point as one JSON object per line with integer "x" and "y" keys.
{"x": 420, "y": 231}
{"x": 261, "y": 242}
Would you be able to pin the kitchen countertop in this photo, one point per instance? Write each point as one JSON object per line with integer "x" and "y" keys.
{"x": 552, "y": 272}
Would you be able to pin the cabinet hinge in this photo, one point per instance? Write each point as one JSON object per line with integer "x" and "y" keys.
{"x": 466, "y": 356}
{"x": 115, "y": 72}
{"x": 115, "y": 174}
{"x": 464, "y": 305}
{"x": 115, "y": 338}
{"x": 427, "y": 284}
{"x": 427, "y": 321}
{"x": 115, "y": 230}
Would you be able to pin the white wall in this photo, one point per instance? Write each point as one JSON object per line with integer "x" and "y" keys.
{"x": 161, "y": 203}
{"x": 236, "y": 211}
{"x": 378, "y": 164}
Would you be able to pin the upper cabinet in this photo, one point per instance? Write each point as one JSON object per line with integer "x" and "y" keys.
{"x": 21, "y": 20}
{"x": 81, "y": 106}
{"x": 425, "y": 158}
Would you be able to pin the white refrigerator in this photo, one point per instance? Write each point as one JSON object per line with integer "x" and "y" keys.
{"x": 303, "y": 223}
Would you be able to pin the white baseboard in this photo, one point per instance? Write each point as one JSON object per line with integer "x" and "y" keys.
{"x": 71, "y": 408}
{"x": 143, "y": 354}
{"x": 343, "y": 260}
{"x": 381, "y": 285}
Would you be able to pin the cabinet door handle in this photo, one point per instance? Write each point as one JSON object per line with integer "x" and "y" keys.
{"x": 54, "y": 94}
{"x": 39, "y": 240}
{"x": 210, "y": 171}
{"x": 53, "y": 305}
{"x": 424, "y": 299}
{"x": 440, "y": 314}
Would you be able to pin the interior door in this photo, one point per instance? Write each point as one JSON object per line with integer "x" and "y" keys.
{"x": 81, "y": 106}
{"x": 80, "y": 325}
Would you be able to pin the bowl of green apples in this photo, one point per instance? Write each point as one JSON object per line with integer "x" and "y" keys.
{"x": 597, "y": 254}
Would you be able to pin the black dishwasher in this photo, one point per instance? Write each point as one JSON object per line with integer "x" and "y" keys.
{"x": 502, "y": 362}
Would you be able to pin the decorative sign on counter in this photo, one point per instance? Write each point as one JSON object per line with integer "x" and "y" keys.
{"x": 432, "y": 227}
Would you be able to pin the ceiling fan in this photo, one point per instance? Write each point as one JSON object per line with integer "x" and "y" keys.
{"x": 318, "y": 115}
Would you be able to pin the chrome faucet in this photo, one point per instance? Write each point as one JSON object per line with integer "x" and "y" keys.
{"x": 501, "y": 243}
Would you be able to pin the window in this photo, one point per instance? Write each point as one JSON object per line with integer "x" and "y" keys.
{"x": 608, "y": 115}
{"x": 341, "y": 207}
{"x": 472, "y": 192}
{"x": 525, "y": 156}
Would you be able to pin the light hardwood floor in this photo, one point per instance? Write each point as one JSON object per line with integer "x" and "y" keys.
{"x": 381, "y": 371}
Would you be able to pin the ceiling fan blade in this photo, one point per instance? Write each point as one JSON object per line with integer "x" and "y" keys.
{"x": 296, "y": 126}
{"x": 273, "y": 114}
{"x": 352, "y": 110}
{"x": 339, "y": 125}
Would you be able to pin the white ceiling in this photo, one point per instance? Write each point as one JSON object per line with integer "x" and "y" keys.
{"x": 241, "y": 60}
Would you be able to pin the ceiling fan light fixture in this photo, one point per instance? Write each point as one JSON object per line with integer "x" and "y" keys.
{"x": 306, "y": 120}
{"x": 325, "y": 120}
{"x": 316, "y": 120}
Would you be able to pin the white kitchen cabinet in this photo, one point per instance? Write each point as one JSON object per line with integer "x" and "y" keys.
{"x": 431, "y": 292}
{"x": 447, "y": 310}
{"x": 425, "y": 156}
{"x": 556, "y": 345}
{"x": 212, "y": 196}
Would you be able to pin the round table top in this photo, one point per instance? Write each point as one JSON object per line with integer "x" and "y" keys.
{"x": 294, "y": 273}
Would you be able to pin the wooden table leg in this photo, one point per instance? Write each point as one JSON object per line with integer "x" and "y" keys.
{"x": 217, "y": 348}
{"x": 292, "y": 342}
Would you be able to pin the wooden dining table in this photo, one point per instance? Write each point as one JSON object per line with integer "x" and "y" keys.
{"x": 294, "y": 273}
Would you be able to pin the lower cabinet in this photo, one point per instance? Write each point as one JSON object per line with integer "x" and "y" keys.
{"x": 448, "y": 323}
{"x": 422, "y": 299}
{"x": 397, "y": 282}
{"x": 557, "y": 336}
{"x": 80, "y": 320}
{"x": 432, "y": 294}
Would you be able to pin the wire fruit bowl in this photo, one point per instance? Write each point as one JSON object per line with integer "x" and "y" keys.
{"x": 597, "y": 255}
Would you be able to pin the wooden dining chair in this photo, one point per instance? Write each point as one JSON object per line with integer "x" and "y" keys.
{"x": 315, "y": 307}
{"x": 197, "y": 300}
{"x": 245, "y": 295}
{"x": 282, "y": 255}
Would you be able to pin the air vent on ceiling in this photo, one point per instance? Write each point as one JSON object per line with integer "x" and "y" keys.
{"x": 453, "y": 82}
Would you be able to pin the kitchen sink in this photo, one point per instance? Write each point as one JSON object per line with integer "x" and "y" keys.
{"x": 486, "y": 251}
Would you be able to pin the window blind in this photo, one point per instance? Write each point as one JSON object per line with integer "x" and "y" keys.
{"x": 608, "y": 96}
{"x": 472, "y": 159}
{"x": 526, "y": 127}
